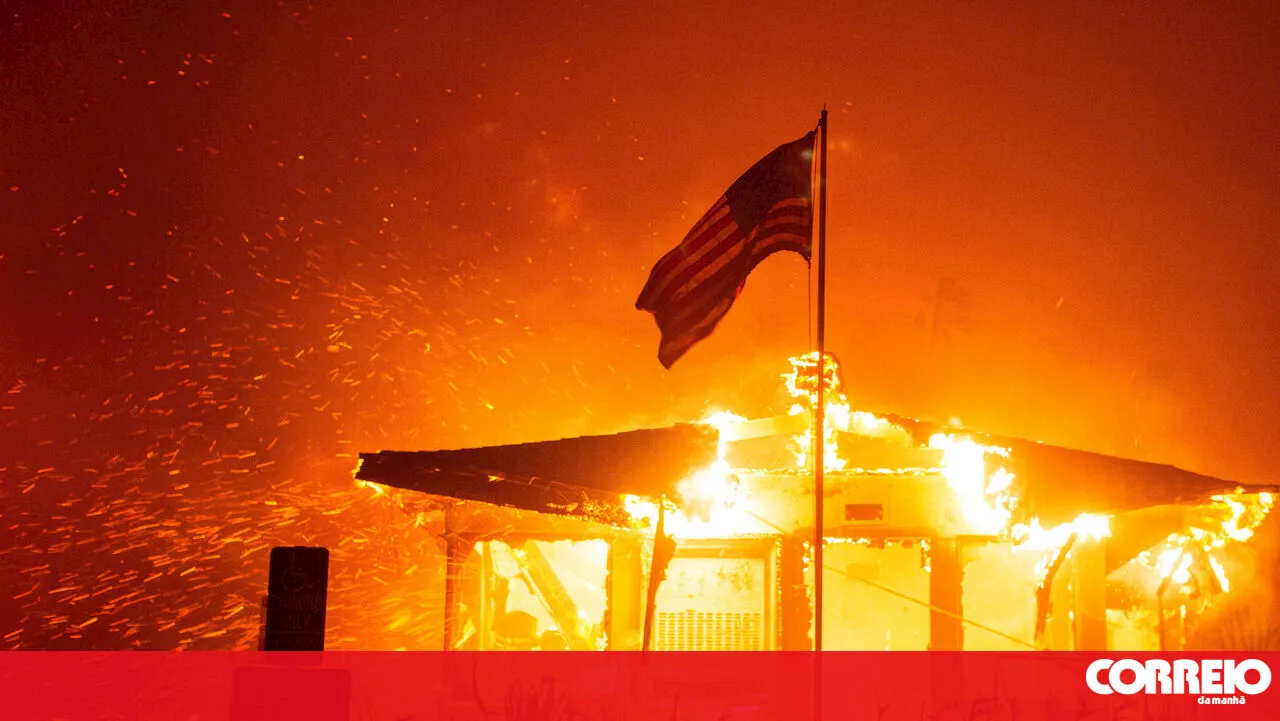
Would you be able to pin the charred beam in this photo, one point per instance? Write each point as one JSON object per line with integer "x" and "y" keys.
{"x": 1059, "y": 484}
{"x": 583, "y": 477}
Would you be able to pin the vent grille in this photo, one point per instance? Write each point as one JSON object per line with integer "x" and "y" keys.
{"x": 708, "y": 631}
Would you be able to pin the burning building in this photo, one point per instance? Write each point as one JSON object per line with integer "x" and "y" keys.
{"x": 935, "y": 537}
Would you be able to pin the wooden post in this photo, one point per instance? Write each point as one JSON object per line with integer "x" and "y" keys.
{"x": 455, "y": 553}
{"x": 1089, "y": 592}
{"x": 626, "y": 589}
{"x": 946, "y": 594}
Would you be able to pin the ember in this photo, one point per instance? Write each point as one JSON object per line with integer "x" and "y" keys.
{"x": 245, "y": 243}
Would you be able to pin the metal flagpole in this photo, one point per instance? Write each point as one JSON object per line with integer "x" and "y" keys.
{"x": 819, "y": 421}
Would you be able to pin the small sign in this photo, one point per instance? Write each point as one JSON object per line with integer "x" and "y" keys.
{"x": 863, "y": 512}
{"x": 297, "y": 590}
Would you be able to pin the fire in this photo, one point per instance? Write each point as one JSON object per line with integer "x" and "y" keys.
{"x": 713, "y": 505}
{"x": 1174, "y": 563}
{"x": 721, "y": 420}
{"x": 1219, "y": 573}
{"x": 710, "y": 490}
{"x": 1173, "y": 558}
{"x": 1244, "y": 519}
{"x": 802, "y": 385}
{"x": 1086, "y": 526}
{"x": 711, "y": 502}
{"x": 983, "y": 495}
{"x": 377, "y": 488}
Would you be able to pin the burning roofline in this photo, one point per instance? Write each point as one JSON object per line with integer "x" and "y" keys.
{"x": 577, "y": 477}
{"x": 581, "y": 477}
{"x": 1058, "y": 483}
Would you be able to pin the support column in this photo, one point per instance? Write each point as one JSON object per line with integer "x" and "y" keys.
{"x": 1059, "y": 631}
{"x": 626, "y": 591}
{"x": 456, "y": 551}
{"x": 795, "y": 608}
{"x": 485, "y": 611}
{"x": 1089, "y": 593}
{"x": 794, "y": 685}
{"x": 946, "y": 591}
{"x": 946, "y": 632}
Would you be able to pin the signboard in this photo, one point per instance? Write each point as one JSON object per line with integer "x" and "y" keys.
{"x": 297, "y": 588}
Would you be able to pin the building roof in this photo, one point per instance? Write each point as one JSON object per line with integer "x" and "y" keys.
{"x": 587, "y": 477}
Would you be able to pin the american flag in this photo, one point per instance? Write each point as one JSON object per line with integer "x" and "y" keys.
{"x": 766, "y": 210}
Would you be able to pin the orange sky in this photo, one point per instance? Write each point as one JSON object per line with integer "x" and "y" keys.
{"x": 299, "y": 232}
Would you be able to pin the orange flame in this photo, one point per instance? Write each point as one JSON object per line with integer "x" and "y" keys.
{"x": 1173, "y": 558}
{"x": 713, "y": 505}
{"x": 983, "y": 493}
{"x": 802, "y": 385}
{"x": 1086, "y": 526}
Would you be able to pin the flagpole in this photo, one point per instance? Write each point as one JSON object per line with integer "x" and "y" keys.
{"x": 819, "y": 421}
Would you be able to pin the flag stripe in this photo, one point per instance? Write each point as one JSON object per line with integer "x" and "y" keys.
{"x": 707, "y": 237}
{"x": 709, "y": 295}
{"x": 724, "y": 276}
{"x": 698, "y": 326}
{"x": 707, "y": 244}
{"x": 767, "y": 210}
{"x": 778, "y": 220}
{"x": 711, "y": 225}
{"x": 679, "y": 278}
{"x": 670, "y": 351}
{"x": 694, "y": 304}
{"x": 726, "y": 281}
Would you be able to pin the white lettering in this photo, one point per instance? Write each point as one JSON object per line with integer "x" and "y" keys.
{"x": 1210, "y": 676}
{"x": 1091, "y": 677}
{"x": 1158, "y": 673}
{"x": 1186, "y": 676}
{"x": 1131, "y": 687}
{"x": 1241, "y": 681}
{"x": 1214, "y": 681}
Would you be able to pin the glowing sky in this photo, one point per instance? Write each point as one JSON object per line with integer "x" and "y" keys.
{"x": 242, "y": 241}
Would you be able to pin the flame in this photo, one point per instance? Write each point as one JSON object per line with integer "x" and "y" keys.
{"x": 721, "y": 420}
{"x": 802, "y": 385}
{"x": 710, "y": 490}
{"x": 1245, "y": 517}
{"x": 1183, "y": 572}
{"x": 1174, "y": 564}
{"x": 1220, "y": 573}
{"x": 1172, "y": 558}
{"x": 1086, "y": 526}
{"x": 377, "y": 488}
{"x": 983, "y": 496}
{"x": 713, "y": 505}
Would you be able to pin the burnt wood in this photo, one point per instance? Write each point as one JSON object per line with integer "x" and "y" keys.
{"x": 1057, "y": 484}
{"x": 584, "y": 477}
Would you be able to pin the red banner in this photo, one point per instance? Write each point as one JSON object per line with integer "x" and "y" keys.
{"x": 632, "y": 686}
